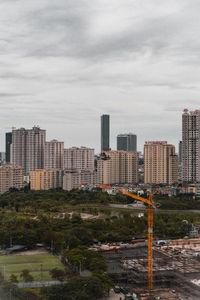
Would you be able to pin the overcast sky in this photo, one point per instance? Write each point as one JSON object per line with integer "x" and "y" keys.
{"x": 63, "y": 63}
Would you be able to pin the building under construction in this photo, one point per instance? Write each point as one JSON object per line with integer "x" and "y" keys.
{"x": 176, "y": 269}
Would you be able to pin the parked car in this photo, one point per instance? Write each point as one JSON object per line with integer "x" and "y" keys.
{"x": 117, "y": 289}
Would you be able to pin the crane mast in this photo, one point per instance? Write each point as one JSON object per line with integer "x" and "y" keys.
{"x": 150, "y": 234}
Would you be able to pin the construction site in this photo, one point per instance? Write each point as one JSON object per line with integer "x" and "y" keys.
{"x": 176, "y": 269}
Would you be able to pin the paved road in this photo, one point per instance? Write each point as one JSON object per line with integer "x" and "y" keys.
{"x": 129, "y": 206}
{"x": 114, "y": 296}
{"x": 137, "y": 207}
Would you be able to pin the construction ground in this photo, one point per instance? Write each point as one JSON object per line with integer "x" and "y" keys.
{"x": 176, "y": 269}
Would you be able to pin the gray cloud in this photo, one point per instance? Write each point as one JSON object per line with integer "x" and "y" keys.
{"x": 64, "y": 63}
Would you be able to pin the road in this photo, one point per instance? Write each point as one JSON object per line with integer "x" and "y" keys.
{"x": 114, "y": 296}
{"x": 142, "y": 208}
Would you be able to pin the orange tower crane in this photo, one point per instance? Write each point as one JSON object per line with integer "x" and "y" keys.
{"x": 150, "y": 234}
{"x": 150, "y": 230}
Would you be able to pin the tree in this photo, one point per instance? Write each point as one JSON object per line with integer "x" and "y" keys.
{"x": 57, "y": 274}
{"x": 13, "y": 278}
{"x": 27, "y": 277}
{"x": 1, "y": 277}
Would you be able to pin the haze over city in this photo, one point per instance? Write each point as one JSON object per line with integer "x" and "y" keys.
{"x": 63, "y": 65}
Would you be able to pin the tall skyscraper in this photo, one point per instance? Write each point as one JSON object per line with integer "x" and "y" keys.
{"x": 191, "y": 146}
{"x": 8, "y": 146}
{"x": 127, "y": 142}
{"x": 105, "y": 132}
{"x": 54, "y": 155}
{"x": 79, "y": 158}
{"x": 160, "y": 163}
{"x": 28, "y": 147}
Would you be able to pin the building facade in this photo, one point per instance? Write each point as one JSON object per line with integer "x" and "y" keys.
{"x": 54, "y": 155}
{"x": 180, "y": 144}
{"x": 8, "y": 146}
{"x": 117, "y": 167}
{"x": 72, "y": 179}
{"x": 127, "y": 142}
{"x": 105, "y": 132}
{"x": 79, "y": 158}
{"x": 160, "y": 163}
{"x": 28, "y": 148}
{"x": 43, "y": 179}
{"x": 11, "y": 177}
{"x": 191, "y": 146}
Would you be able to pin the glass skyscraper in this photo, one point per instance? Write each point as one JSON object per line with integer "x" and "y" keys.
{"x": 105, "y": 132}
{"x": 127, "y": 142}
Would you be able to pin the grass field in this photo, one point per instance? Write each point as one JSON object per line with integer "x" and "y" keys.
{"x": 38, "y": 265}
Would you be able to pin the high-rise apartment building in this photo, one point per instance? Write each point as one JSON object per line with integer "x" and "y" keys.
{"x": 191, "y": 146}
{"x": 180, "y": 152}
{"x": 8, "y": 146}
{"x": 54, "y": 155}
{"x": 127, "y": 142}
{"x": 105, "y": 132}
{"x": 79, "y": 158}
{"x": 160, "y": 163}
{"x": 11, "y": 177}
{"x": 28, "y": 148}
{"x": 46, "y": 179}
{"x": 117, "y": 167}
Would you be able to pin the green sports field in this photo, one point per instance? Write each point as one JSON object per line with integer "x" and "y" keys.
{"x": 38, "y": 265}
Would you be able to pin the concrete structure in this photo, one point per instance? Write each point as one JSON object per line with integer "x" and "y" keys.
{"x": 105, "y": 132}
{"x": 160, "y": 163}
{"x": 8, "y": 146}
{"x": 54, "y": 155}
{"x": 42, "y": 179}
{"x": 11, "y": 177}
{"x": 127, "y": 142}
{"x": 79, "y": 158}
{"x": 28, "y": 148}
{"x": 191, "y": 146}
{"x": 117, "y": 167}
{"x": 72, "y": 179}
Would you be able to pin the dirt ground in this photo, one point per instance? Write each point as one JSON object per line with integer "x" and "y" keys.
{"x": 32, "y": 252}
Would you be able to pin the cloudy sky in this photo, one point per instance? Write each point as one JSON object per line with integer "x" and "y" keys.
{"x": 63, "y": 63}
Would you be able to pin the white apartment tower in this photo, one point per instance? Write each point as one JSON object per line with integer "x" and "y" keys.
{"x": 28, "y": 148}
{"x": 191, "y": 146}
{"x": 54, "y": 155}
{"x": 79, "y": 158}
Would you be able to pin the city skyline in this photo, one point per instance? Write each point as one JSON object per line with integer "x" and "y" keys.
{"x": 113, "y": 139}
